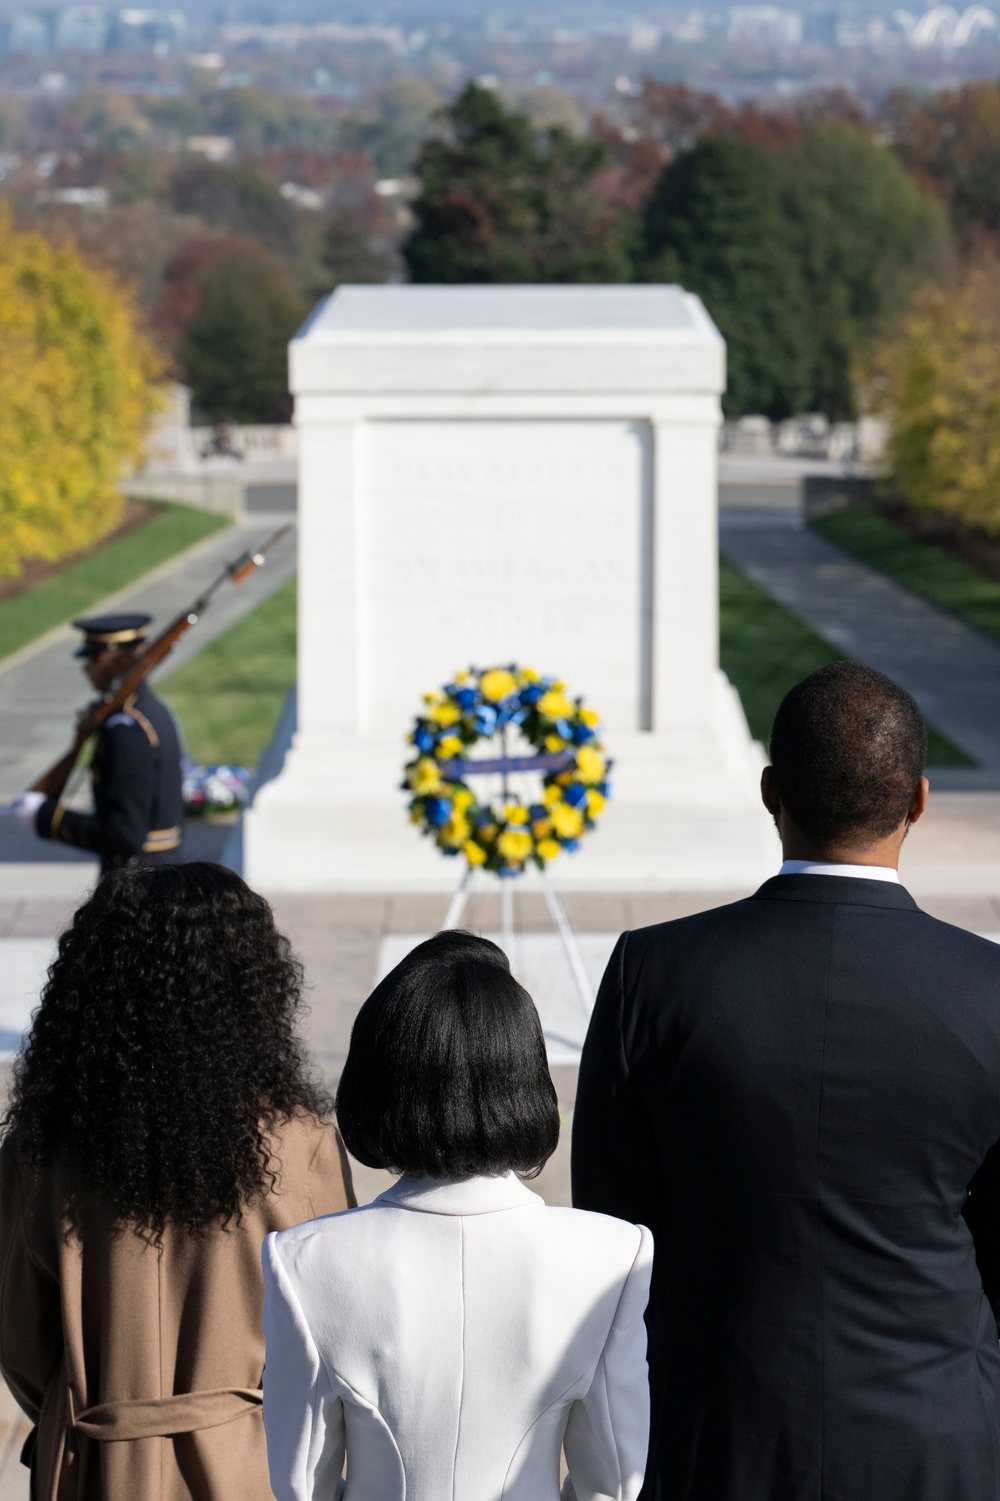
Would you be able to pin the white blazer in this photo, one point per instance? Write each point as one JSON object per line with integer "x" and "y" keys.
{"x": 450, "y": 1337}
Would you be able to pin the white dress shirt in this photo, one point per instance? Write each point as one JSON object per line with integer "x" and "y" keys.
{"x": 825, "y": 868}
{"x": 450, "y": 1338}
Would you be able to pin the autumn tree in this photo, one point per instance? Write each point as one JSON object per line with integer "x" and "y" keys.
{"x": 234, "y": 350}
{"x": 950, "y": 141}
{"x": 503, "y": 202}
{"x": 77, "y": 391}
{"x": 239, "y": 200}
{"x": 938, "y": 383}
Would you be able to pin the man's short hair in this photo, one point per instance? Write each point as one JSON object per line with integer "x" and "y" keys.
{"x": 848, "y": 747}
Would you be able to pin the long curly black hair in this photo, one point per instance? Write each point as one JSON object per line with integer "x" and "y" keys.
{"x": 164, "y": 1048}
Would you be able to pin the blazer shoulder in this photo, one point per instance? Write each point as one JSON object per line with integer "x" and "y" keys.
{"x": 617, "y": 1241}
{"x": 696, "y": 926}
{"x": 959, "y": 941}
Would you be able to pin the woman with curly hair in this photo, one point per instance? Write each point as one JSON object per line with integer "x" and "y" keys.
{"x": 163, "y": 1120}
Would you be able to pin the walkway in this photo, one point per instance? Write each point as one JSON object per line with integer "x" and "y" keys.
{"x": 41, "y": 687}
{"x": 952, "y": 669}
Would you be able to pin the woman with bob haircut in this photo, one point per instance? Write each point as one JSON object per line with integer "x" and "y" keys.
{"x": 162, "y": 1122}
{"x": 449, "y": 1338}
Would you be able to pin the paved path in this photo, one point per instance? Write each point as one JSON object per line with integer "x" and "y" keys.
{"x": 41, "y": 686}
{"x": 952, "y": 670}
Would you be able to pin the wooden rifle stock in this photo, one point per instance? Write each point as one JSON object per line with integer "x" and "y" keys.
{"x": 53, "y": 783}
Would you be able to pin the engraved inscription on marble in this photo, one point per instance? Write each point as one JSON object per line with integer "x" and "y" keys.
{"x": 496, "y": 541}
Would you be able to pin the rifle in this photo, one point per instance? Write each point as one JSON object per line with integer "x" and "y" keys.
{"x": 53, "y": 783}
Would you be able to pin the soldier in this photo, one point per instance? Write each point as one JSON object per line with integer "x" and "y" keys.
{"x": 136, "y": 771}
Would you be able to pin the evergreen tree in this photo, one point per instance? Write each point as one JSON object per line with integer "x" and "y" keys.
{"x": 503, "y": 202}
{"x": 717, "y": 225}
{"x": 867, "y": 238}
{"x": 802, "y": 255}
{"x": 235, "y": 348}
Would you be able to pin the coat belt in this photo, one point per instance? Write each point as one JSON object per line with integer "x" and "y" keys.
{"x": 160, "y": 1417}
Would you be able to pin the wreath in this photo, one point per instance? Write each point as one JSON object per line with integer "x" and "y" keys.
{"x": 510, "y": 830}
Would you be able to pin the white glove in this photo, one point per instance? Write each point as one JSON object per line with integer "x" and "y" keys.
{"x": 26, "y": 806}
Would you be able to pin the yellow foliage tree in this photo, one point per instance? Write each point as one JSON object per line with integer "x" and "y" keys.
{"x": 77, "y": 391}
{"x": 938, "y": 384}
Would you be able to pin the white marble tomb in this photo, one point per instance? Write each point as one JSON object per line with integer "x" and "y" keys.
{"x": 496, "y": 474}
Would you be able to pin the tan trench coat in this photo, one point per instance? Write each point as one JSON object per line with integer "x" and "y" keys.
{"x": 141, "y": 1366}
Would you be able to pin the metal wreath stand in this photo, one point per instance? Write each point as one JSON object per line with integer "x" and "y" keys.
{"x": 505, "y": 764}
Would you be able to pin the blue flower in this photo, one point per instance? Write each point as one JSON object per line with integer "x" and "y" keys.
{"x": 422, "y": 738}
{"x": 564, "y": 728}
{"x": 570, "y": 845}
{"x": 484, "y": 721}
{"x": 604, "y": 788}
{"x": 537, "y": 811}
{"x": 437, "y": 810}
{"x": 575, "y": 794}
{"x": 509, "y": 870}
{"x": 532, "y": 693}
{"x": 582, "y": 733}
{"x": 465, "y": 697}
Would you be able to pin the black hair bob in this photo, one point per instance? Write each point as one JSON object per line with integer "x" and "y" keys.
{"x": 446, "y": 1075}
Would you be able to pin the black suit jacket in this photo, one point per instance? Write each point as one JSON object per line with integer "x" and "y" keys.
{"x": 796, "y": 1093}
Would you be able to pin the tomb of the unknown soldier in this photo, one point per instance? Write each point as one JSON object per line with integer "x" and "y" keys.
{"x": 494, "y": 475}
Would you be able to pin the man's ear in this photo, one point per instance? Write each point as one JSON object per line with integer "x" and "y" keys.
{"x": 919, "y": 804}
{"x": 769, "y": 794}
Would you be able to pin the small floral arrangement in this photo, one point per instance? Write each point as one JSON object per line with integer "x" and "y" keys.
{"x": 510, "y": 832}
{"x": 214, "y": 789}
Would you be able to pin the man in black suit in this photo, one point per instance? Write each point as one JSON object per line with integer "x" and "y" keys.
{"x": 800, "y": 1095}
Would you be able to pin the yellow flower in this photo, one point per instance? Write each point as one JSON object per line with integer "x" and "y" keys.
{"x": 497, "y": 683}
{"x": 423, "y": 777}
{"x": 551, "y": 796}
{"x": 590, "y": 763}
{"x": 461, "y": 677}
{"x": 554, "y": 743}
{"x": 432, "y": 698}
{"x": 595, "y": 802}
{"x": 541, "y": 827}
{"x": 487, "y": 832}
{"x": 529, "y": 675}
{"x": 463, "y": 799}
{"x": 567, "y": 821}
{"x": 548, "y": 848}
{"x": 555, "y": 705}
{"x": 448, "y": 746}
{"x": 517, "y": 813}
{"x": 456, "y": 831}
{"x": 474, "y": 853}
{"x": 445, "y": 714}
{"x": 416, "y": 816}
{"x": 515, "y": 846}
{"x": 590, "y": 717}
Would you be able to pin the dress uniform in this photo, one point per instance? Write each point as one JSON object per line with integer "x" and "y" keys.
{"x": 136, "y": 769}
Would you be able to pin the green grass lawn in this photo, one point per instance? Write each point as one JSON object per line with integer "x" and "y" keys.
{"x": 765, "y": 650}
{"x": 229, "y": 696}
{"x": 75, "y": 588}
{"x": 920, "y": 566}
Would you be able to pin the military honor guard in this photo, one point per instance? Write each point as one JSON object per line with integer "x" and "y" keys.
{"x": 136, "y": 769}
